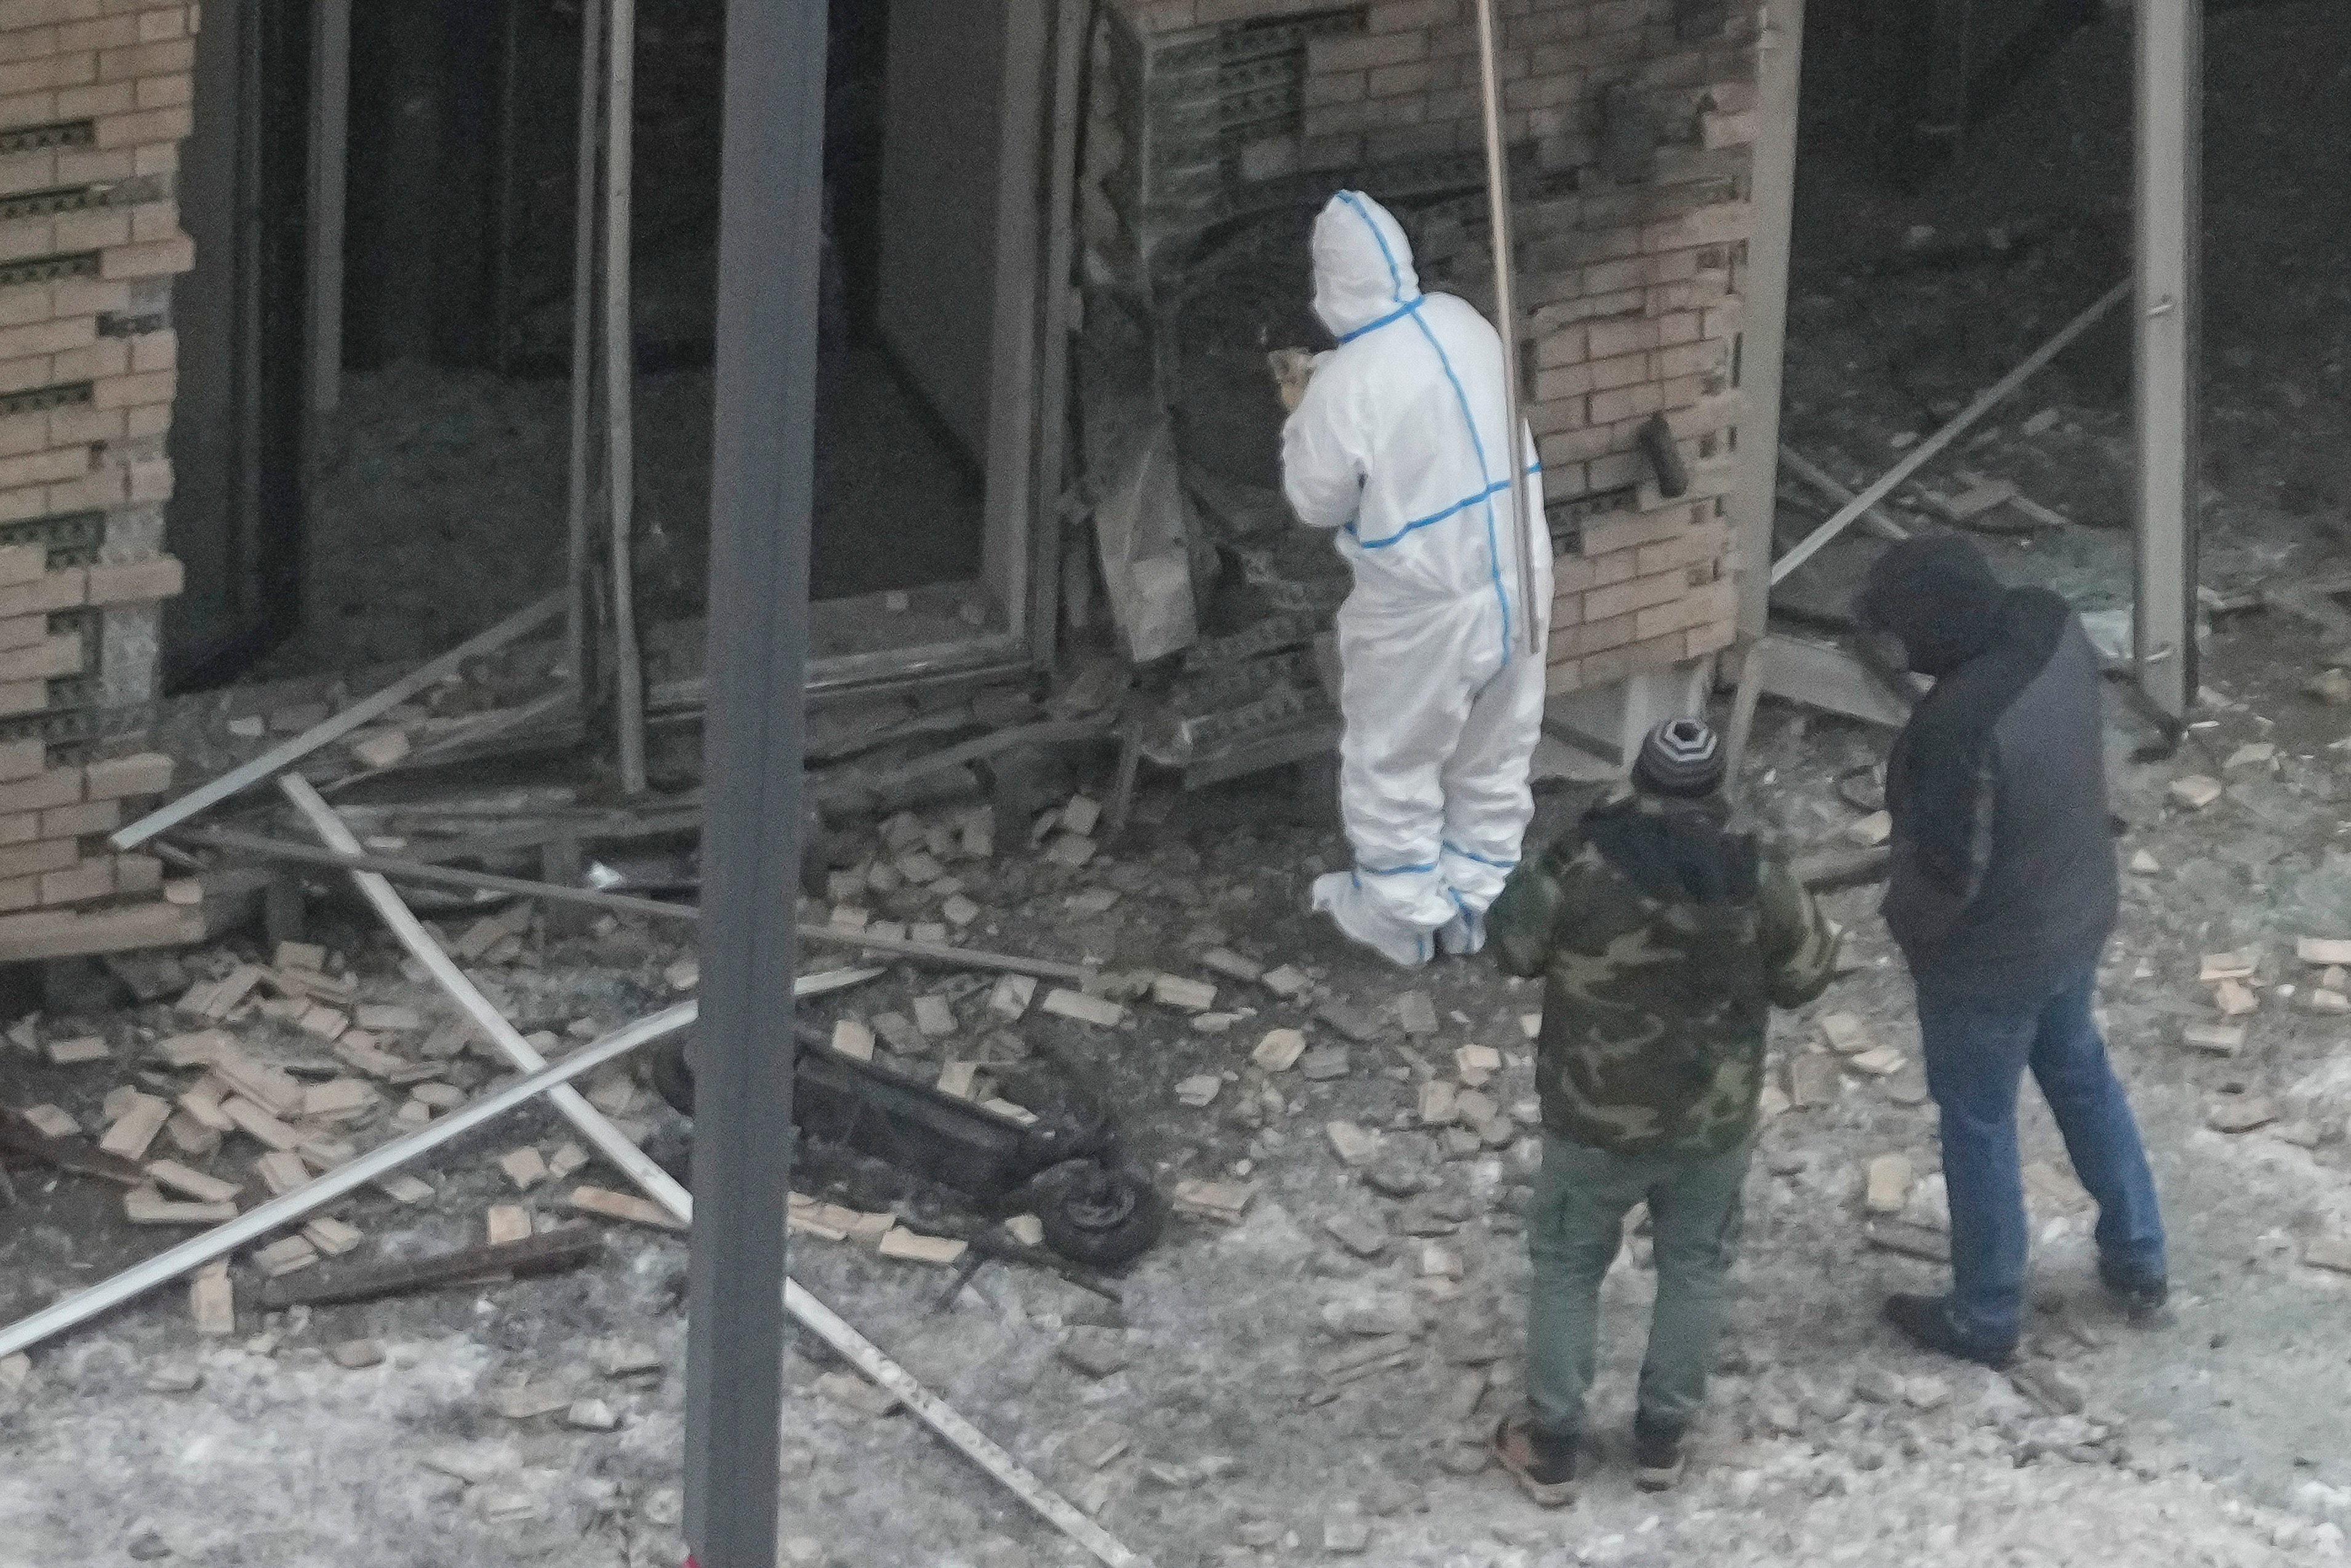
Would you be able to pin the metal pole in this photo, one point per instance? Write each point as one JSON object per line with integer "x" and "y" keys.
{"x": 620, "y": 388}
{"x": 762, "y": 492}
{"x": 330, "y": 98}
{"x": 284, "y": 755}
{"x": 1531, "y": 616}
{"x": 398, "y": 870}
{"x": 311, "y": 1197}
{"x": 583, "y": 349}
{"x": 2171, "y": 84}
{"x": 1932, "y": 447}
{"x": 492, "y": 1024}
{"x": 1763, "y": 339}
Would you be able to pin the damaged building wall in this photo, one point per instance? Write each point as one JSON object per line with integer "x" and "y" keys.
{"x": 1630, "y": 124}
{"x": 94, "y": 102}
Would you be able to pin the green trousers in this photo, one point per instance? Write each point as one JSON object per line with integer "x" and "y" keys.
{"x": 1573, "y": 1233}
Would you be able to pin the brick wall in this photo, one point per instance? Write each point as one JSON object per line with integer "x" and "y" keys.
{"x": 1629, "y": 264}
{"x": 94, "y": 101}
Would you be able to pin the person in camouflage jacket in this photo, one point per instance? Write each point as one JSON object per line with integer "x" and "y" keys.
{"x": 1664, "y": 935}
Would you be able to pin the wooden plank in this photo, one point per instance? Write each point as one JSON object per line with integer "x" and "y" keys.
{"x": 1875, "y": 519}
{"x": 547, "y": 1253}
{"x": 2170, "y": 123}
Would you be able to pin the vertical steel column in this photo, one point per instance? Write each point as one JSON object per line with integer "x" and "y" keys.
{"x": 1764, "y": 337}
{"x": 1506, "y": 321}
{"x": 331, "y": 105}
{"x": 583, "y": 346}
{"x": 761, "y": 498}
{"x": 621, "y": 385}
{"x": 2170, "y": 103}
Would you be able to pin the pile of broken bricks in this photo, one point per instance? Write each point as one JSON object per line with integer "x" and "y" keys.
{"x": 235, "y": 1109}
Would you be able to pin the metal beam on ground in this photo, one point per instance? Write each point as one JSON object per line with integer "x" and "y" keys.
{"x": 288, "y": 1209}
{"x": 762, "y": 495}
{"x": 1764, "y": 337}
{"x": 2170, "y": 123}
{"x": 657, "y": 1184}
{"x": 280, "y": 757}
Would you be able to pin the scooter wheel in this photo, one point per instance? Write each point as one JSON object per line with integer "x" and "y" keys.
{"x": 671, "y": 1072}
{"x": 1104, "y": 1217}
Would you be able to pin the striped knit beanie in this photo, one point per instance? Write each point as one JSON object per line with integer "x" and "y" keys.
{"x": 1681, "y": 757}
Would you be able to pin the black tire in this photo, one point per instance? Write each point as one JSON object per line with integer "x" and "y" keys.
{"x": 1104, "y": 1218}
{"x": 673, "y": 1076}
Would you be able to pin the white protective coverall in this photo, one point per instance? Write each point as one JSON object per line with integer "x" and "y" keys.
{"x": 1398, "y": 446}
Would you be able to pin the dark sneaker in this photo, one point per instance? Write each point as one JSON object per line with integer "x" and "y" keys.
{"x": 2142, "y": 1297}
{"x": 1926, "y": 1322}
{"x": 1656, "y": 1454}
{"x": 1541, "y": 1462}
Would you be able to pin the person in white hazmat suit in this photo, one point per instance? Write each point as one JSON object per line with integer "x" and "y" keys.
{"x": 1397, "y": 445}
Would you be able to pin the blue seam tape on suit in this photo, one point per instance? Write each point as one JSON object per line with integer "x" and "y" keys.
{"x": 1469, "y": 421}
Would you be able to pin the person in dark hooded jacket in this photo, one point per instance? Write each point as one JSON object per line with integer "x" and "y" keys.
{"x": 2003, "y": 895}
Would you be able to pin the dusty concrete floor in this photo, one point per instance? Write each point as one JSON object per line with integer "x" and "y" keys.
{"x": 2217, "y": 1440}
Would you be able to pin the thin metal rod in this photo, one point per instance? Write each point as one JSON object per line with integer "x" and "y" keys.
{"x": 658, "y": 1185}
{"x": 330, "y": 89}
{"x": 1532, "y": 617}
{"x": 1828, "y": 485}
{"x": 313, "y": 1195}
{"x": 399, "y": 869}
{"x": 278, "y": 758}
{"x": 609, "y": 1141}
{"x": 619, "y": 389}
{"x": 583, "y": 348}
{"x": 948, "y": 1422}
{"x": 1760, "y": 354}
{"x": 1928, "y": 450}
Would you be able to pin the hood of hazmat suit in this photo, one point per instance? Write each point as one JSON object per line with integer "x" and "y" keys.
{"x": 1398, "y": 449}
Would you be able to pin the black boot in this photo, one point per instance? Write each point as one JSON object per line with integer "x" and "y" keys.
{"x": 2142, "y": 1297}
{"x": 1543, "y": 1463}
{"x": 1926, "y": 1322}
{"x": 1657, "y": 1453}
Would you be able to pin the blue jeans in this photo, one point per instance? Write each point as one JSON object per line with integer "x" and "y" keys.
{"x": 1977, "y": 1051}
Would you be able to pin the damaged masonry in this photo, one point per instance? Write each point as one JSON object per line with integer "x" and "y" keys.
{"x": 402, "y": 821}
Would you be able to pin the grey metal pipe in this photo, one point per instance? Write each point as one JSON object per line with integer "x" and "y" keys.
{"x": 1506, "y": 322}
{"x": 373, "y": 1166}
{"x": 583, "y": 348}
{"x": 619, "y": 387}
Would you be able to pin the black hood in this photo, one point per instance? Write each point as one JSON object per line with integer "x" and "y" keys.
{"x": 1939, "y": 595}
